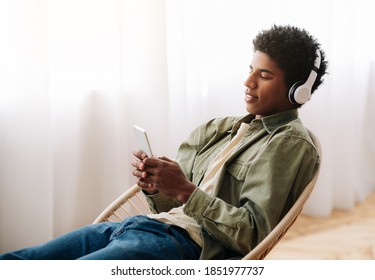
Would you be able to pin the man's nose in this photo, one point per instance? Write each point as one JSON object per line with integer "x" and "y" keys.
{"x": 250, "y": 82}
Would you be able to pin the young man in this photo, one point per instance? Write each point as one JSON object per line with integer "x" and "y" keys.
{"x": 234, "y": 178}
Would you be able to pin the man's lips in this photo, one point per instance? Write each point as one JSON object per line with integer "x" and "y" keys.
{"x": 249, "y": 98}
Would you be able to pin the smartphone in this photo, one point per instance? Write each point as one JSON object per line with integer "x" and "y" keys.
{"x": 143, "y": 142}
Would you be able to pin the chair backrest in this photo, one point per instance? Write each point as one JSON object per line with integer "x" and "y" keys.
{"x": 269, "y": 242}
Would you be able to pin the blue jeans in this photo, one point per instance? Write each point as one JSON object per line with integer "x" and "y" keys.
{"x": 135, "y": 238}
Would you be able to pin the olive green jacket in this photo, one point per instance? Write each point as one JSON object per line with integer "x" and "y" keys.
{"x": 260, "y": 181}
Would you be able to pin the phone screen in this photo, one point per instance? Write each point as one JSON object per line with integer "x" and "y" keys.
{"x": 142, "y": 140}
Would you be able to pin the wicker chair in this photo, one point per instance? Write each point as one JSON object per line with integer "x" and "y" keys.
{"x": 132, "y": 202}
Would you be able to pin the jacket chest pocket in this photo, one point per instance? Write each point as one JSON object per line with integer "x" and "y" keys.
{"x": 238, "y": 169}
{"x": 202, "y": 163}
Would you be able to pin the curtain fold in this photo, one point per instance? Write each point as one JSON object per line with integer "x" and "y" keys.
{"x": 76, "y": 75}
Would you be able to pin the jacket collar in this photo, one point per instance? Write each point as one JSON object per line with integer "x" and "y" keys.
{"x": 270, "y": 123}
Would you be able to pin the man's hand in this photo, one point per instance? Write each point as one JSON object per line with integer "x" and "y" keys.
{"x": 141, "y": 174}
{"x": 167, "y": 177}
{"x": 162, "y": 174}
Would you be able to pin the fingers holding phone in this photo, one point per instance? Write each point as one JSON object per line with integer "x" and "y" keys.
{"x": 141, "y": 154}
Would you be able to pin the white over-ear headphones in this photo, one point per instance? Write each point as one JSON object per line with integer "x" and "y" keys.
{"x": 300, "y": 92}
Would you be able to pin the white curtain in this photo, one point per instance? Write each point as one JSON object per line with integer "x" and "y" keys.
{"x": 75, "y": 75}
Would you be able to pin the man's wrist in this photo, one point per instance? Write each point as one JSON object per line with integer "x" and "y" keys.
{"x": 185, "y": 195}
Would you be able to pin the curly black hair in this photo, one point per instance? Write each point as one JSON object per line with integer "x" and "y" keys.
{"x": 294, "y": 50}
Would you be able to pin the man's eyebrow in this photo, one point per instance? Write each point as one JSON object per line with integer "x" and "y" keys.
{"x": 267, "y": 71}
{"x": 263, "y": 70}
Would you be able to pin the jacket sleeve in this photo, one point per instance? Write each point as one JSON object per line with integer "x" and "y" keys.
{"x": 161, "y": 203}
{"x": 279, "y": 172}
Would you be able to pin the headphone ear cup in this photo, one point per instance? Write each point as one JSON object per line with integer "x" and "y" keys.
{"x": 300, "y": 92}
{"x": 292, "y": 92}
